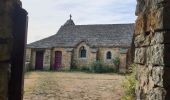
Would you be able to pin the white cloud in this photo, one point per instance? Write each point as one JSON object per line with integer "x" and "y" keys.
{"x": 46, "y": 16}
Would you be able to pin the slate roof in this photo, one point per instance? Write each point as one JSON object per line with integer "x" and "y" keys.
{"x": 103, "y": 35}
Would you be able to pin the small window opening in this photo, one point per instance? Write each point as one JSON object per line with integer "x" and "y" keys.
{"x": 109, "y": 55}
{"x": 82, "y": 52}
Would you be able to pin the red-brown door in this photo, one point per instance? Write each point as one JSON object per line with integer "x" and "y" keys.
{"x": 39, "y": 60}
{"x": 58, "y": 60}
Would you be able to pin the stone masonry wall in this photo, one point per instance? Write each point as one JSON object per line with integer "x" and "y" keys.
{"x": 98, "y": 53}
{"x": 115, "y": 53}
{"x": 103, "y": 52}
{"x": 152, "y": 38}
{"x": 6, "y": 7}
{"x": 28, "y": 59}
{"x": 28, "y": 55}
{"x": 66, "y": 58}
{"x": 5, "y": 45}
{"x": 83, "y": 62}
{"x": 32, "y": 61}
{"x": 47, "y": 59}
{"x": 123, "y": 64}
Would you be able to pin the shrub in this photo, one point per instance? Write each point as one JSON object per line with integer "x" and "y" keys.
{"x": 129, "y": 85}
{"x": 99, "y": 67}
{"x": 116, "y": 61}
{"x": 85, "y": 69}
{"x": 73, "y": 65}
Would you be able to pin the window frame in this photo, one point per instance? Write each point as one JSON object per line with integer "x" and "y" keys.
{"x": 109, "y": 55}
{"x": 82, "y": 52}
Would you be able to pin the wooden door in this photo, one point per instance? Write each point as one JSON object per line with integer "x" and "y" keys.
{"x": 58, "y": 60}
{"x": 39, "y": 60}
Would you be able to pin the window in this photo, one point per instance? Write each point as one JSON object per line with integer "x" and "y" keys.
{"x": 82, "y": 52}
{"x": 109, "y": 55}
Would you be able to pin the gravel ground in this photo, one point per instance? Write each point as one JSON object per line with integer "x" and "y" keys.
{"x": 72, "y": 86}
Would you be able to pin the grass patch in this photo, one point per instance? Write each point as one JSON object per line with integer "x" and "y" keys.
{"x": 129, "y": 85}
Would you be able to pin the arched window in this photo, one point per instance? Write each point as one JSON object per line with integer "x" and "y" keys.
{"x": 109, "y": 55}
{"x": 82, "y": 52}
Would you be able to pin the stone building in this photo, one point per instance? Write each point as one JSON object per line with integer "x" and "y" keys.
{"x": 80, "y": 46}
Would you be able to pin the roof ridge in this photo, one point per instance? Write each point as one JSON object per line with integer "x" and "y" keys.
{"x": 105, "y": 24}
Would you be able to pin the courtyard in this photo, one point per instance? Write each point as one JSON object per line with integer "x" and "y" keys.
{"x": 72, "y": 86}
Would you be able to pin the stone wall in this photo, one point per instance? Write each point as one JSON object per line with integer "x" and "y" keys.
{"x": 123, "y": 63}
{"x": 83, "y": 62}
{"x": 6, "y": 45}
{"x": 66, "y": 57}
{"x": 70, "y": 57}
{"x": 102, "y": 55}
{"x": 28, "y": 55}
{"x": 94, "y": 54}
{"x": 33, "y": 57}
{"x": 121, "y": 53}
{"x": 28, "y": 59}
{"x": 152, "y": 49}
{"x": 47, "y": 59}
{"x": 6, "y": 6}
{"x": 4, "y": 75}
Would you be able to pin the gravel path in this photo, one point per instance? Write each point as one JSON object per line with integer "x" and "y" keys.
{"x": 72, "y": 86}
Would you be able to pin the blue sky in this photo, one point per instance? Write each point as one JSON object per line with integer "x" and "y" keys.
{"x": 46, "y": 16}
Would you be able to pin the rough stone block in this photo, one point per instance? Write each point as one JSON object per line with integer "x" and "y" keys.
{"x": 157, "y": 73}
{"x": 158, "y": 38}
{"x": 28, "y": 55}
{"x": 166, "y": 18}
{"x": 143, "y": 80}
{"x": 47, "y": 58}
{"x": 146, "y": 5}
{"x": 140, "y": 25}
{"x": 140, "y": 55}
{"x": 142, "y": 40}
{"x": 5, "y": 32}
{"x": 150, "y": 21}
{"x": 4, "y": 81}
{"x": 150, "y": 81}
{"x": 154, "y": 20}
{"x": 166, "y": 55}
{"x": 154, "y": 4}
{"x": 166, "y": 37}
{"x": 157, "y": 93}
{"x": 5, "y": 52}
{"x": 151, "y": 39}
{"x": 140, "y": 7}
{"x": 155, "y": 55}
{"x": 166, "y": 81}
{"x": 166, "y": 77}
